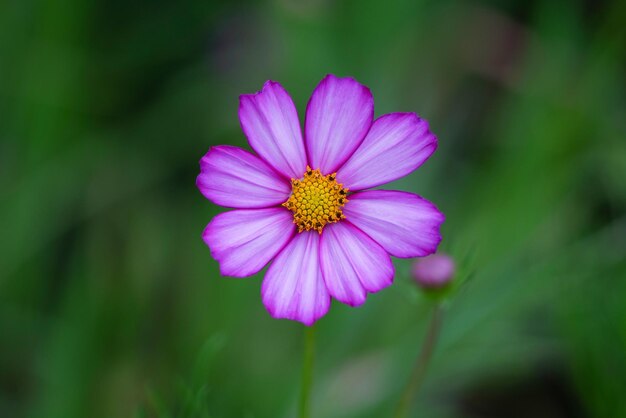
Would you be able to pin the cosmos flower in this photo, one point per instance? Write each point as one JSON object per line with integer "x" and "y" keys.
{"x": 304, "y": 202}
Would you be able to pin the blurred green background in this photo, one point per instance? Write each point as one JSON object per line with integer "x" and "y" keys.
{"x": 111, "y": 306}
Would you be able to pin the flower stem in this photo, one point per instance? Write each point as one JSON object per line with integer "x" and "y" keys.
{"x": 419, "y": 369}
{"x": 307, "y": 371}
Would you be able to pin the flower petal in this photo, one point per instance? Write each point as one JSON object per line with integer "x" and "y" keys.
{"x": 397, "y": 144}
{"x": 293, "y": 287}
{"x": 338, "y": 116}
{"x": 232, "y": 177}
{"x": 404, "y": 224}
{"x": 353, "y": 264}
{"x": 244, "y": 241}
{"x": 270, "y": 121}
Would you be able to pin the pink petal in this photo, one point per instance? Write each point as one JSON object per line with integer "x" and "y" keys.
{"x": 404, "y": 224}
{"x": 397, "y": 144}
{"x": 293, "y": 287}
{"x": 244, "y": 241}
{"x": 232, "y": 177}
{"x": 270, "y": 121}
{"x": 338, "y": 116}
{"x": 353, "y": 264}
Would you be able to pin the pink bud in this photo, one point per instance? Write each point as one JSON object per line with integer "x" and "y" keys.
{"x": 434, "y": 271}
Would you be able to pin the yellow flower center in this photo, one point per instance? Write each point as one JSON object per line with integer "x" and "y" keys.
{"x": 316, "y": 200}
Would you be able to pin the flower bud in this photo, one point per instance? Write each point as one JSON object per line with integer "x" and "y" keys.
{"x": 434, "y": 271}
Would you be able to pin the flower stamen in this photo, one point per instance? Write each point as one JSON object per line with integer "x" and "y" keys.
{"x": 316, "y": 200}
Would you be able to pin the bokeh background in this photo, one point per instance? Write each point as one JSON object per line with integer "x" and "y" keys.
{"x": 111, "y": 306}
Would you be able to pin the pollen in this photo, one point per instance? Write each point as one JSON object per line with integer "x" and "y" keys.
{"x": 316, "y": 200}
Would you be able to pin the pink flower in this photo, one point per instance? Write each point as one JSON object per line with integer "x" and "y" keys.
{"x": 302, "y": 203}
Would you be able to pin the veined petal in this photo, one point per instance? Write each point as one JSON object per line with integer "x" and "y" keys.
{"x": 270, "y": 121}
{"x": 397, "y": 144}
{"x": 404, "y": 224}
{"x": 232, "y": 177}
{"x": 244, "y": 241}
{"x": 353, "y": 264}
{"x": 338, "y": 116}
{"x": 293, "y": 287}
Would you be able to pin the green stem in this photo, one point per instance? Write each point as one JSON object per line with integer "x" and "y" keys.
{"x": 419, "y": 370}
{"x": 307, "y": 371}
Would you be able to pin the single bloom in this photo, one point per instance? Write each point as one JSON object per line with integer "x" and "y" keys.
{"x": 302, "y": 201}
